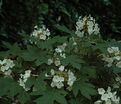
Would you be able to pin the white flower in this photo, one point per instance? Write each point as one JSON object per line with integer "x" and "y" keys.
{"x": 104, "y": 97}
{"x": 53, "y": 84}
{"x": 74, "y": 43}
{"x": 96, "y": 29}
{"x": 118, "y": 79}
{"x": 71, "y": 78}
{"x": 52, "y": 72}
{"x": 46, "y": 75}
{"x": 58, "y": 79}
{"x": 108, "y": 101}
{"x": 114, "y": 50}
{"x": 27, "y": 89}
{"x": 21, "y": 83}
{"x": 109, "y": 92}
{"x": 41, "y": 33}
{"x": 114, "y": 93}
{"x": 63, "y": 55}
{"x": 27, "y": 74}
{"x": 47, "y": 32}
{"x": 8, "y": 72}
{"x": 86, "y": 25}
{"x": 110, "y": 50}
{"x": 117, "y": 58}
{"x": 115, "y": 99}
{"x": 61, "y": 68}
{"x": 59, "y": 85}
{"x": 43, "y": 37}
{"x": 101, "y": 91}
{"x": 61, "y": 48}
{"x": 109, "y": 89}
{"x": 50, "y": 61}
{"x": 5, "y": 66}
{"x": 79, "y": 34}
{"x": 1, "y": 62}
{"x": 90, "y": 27}
{"x": 57, "y": 62}
{"x": 23, "y": 78}
{"x": 115, "y": 86}
{"x": 58, "y": 50}
{"x": 108, "y": 60}
{"x": 108, "y": 97}
{"x": 98, "y": 102}
{"x": 10, "y": 63}
{"x": 118, "y": 64}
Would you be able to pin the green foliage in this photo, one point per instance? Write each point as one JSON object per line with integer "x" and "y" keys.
{"x": 82, "y": 59}
{"x": 11, "y": 88}
{"x": 31, "y": 52}
{"x": 73, "y": 60}
{"x": 86, "y": 89}
{"x": 52, "y": 95}
{"x": 64, "y": 29}
{"x": 34, "y": 57}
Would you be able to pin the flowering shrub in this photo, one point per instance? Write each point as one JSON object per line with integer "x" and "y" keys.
{"x": 71, "y": 69}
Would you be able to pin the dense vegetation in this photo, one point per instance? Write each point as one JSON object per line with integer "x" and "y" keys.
{"x": 60, "y": 52}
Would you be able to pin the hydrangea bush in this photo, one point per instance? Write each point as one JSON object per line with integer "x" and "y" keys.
{"x": 73, "y": 69}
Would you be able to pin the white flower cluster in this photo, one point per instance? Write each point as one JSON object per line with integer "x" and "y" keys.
{"x": 56, "y": 61}
{"x": 41, "y": 33}
{"x": 57, "y": 81}
{"x": 24, "y": 78}
{"x": 118, "y": 82}
{"x": 61, "y": 76}
{"x": 60, "y": 49}
{"x": 107, "y": 97}
{"x": 86, "y": 25}
{"x": 71, "y": 78}
{"x": 113, "y": 57}
{"x": 5, "y": 66}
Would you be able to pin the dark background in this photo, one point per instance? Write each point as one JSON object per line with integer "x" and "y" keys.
{"x": 22, "y": 15}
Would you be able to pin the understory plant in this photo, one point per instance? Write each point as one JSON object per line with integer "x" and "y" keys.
{"x": 76, "y": 68}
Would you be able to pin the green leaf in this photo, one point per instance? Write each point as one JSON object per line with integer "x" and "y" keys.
{"x": 51, "y": 95}
{"x": 40, "y": 61}
{"x": 4, "y": 54}
{"x": 86, "y": 89}
{"x": 11, "y": 88}
{"x": 64, "y": 29}
{"x": 7, "y": 44}
{"x": 30, "y": 81}
{"x": 116, "y": 70}
{"x": 89, "y": 71}
{"x": 5, "y": 84}
{"x": 14, "y": 89}
{"x": 43, "y": 8}
{"x": 8, "y": 86}
{"x": 39, "y": 84}
{"x": 13, "y": 49}
{"x": 73, "y": 60}
{"x": 23, "y": 97}
{"x": 32, "y": 53}
{"x": 59, "y": 39}
{"x": 65, "y": 11}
